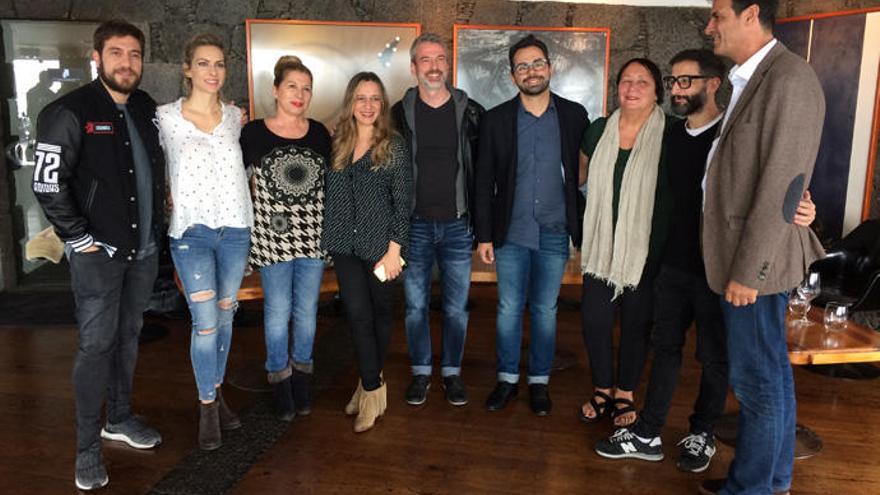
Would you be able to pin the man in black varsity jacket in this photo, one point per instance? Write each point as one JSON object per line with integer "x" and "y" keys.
{"x": 99, "y": 177}
{"x": 683, "y": 296}
{"x": 527, "y": 210}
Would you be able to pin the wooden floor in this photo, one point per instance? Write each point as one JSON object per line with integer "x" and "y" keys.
{"x": 433, "y": 449}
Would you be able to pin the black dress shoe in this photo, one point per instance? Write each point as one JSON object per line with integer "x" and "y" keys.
{"x": 502, "y": 394}
{"x": 539, "y": 399}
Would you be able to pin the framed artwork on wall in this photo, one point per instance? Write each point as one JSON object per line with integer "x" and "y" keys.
{"x": 579, "y": 57}
{"x": 844, "y": 50}
{"x": 334, "y": 52}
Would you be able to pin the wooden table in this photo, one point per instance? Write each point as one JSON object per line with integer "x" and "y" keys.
{"x": 813, "y": 344}
{"x": 481, "y": 272}
{"x": 252, "y": 289}
{"x": 251, "y": 375}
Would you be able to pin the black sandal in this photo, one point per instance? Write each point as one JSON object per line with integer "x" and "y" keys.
{"x": 629, "y": 407}
{"x": 601, "y": 409}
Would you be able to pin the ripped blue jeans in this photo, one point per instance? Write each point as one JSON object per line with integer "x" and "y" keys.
{"x": 210, "y": 264}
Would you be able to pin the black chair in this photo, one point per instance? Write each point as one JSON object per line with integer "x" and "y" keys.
{"x": 850, "y": 272}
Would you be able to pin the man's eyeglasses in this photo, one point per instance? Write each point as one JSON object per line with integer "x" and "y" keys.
{"x": 537, "y": 64}
{"x": 684, "y": 82}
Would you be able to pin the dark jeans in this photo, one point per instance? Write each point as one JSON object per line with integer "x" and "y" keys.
{"x": 636, "y": 316}
{"x": 680, "y": 298}
{"x": 761, "y": 377}
{"x": 369, "y": 306}
{"x": 111, "y": 295}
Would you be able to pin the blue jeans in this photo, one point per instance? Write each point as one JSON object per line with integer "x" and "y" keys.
{"x": 761, "y": 377}
{"x": 290, "y": 289}
{"x": 449, "y": 243}
{"x": 533, "y": 275}
{"x": 210, "y": 264}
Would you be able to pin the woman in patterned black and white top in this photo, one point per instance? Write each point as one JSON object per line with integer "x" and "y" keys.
{"x": 211, "y": 218}
{"x": 288, "y": 153}
{"x": 366, "y": 230}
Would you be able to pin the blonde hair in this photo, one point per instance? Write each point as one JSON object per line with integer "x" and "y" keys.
{"x": 346, "y": 130}
{"x": 289, "y": 63}
{"x": 189, "y": 51}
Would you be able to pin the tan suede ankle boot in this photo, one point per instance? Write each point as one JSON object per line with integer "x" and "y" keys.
{"x": 370, "y": 409}
{"x": 352, "y": 407}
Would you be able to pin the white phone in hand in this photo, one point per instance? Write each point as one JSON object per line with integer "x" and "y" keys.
{"x": 379, "y": 272}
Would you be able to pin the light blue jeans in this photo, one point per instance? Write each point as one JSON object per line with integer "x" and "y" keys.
{"x": 210, "y": 264}
{"x": 291, "y": 290}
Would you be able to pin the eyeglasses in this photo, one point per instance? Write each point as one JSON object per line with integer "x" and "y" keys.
{"x": 537, "y": 64}
{"x": 684, "y": 82}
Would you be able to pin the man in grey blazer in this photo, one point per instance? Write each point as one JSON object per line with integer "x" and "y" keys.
{"x": 757, "y": 171}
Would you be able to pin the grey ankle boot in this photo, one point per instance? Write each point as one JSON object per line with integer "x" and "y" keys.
{"x": 284, "y": 400}
{"x": 209, "y": 426}
{"x": 301, "y": 383}
{"x": 228, "y": 419}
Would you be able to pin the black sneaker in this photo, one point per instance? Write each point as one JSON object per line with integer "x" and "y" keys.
{"x": 455, "y": 392}
{"x": 696, "y": 452}
{"x": 417, "y": 392}
{"x": 624, "y": 444}
{"x": 90, "y": 473}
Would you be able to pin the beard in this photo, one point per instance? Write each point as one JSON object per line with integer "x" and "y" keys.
{"x": 431, "y": 84}
{"x": 691, "y": 103}
{"x": 536, "y": 89}
{"x": 118, "y": 85}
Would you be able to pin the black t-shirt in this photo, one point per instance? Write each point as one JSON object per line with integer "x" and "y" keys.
{"x": 436, "y": 161}
{"x": 686, "y": 156}
{"x": 288, "y": 191}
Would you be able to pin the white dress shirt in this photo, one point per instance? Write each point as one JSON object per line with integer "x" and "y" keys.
{"x": 739, "y": 77}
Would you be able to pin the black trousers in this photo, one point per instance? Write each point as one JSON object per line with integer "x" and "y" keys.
{"x": 636, "y": 317}
{"x": 680, "y": 299}
{"x": 369, "y": 306}
{"x": 111, "y": 296}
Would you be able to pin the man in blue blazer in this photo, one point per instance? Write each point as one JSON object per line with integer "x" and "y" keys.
{"x": 527, "y": 208}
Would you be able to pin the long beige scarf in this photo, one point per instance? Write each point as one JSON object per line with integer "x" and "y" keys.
{"x": 617, "y": 255}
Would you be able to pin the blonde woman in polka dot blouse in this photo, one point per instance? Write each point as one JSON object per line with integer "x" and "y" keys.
{"x": 211, "y": 220}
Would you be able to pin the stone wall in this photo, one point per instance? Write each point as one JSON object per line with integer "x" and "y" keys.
{"x": 656, "y": 33}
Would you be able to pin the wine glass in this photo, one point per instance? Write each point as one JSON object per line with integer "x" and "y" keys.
{"x": 835, "y": 316}
{"x": 798, "y": 307}
{"x": 808, "y": 290}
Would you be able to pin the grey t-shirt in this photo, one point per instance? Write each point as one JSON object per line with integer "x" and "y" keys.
{"x": 144, "y": 176}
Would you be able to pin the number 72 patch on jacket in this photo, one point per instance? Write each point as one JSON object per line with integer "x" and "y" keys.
{"x": 48, "y": 160}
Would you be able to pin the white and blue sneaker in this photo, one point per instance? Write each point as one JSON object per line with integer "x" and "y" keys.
{"x": 133, "y": 432}
{"x": 624, "y": 444}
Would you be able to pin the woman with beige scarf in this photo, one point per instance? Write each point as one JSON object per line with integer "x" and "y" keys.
{"x": 625, "y": 224}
